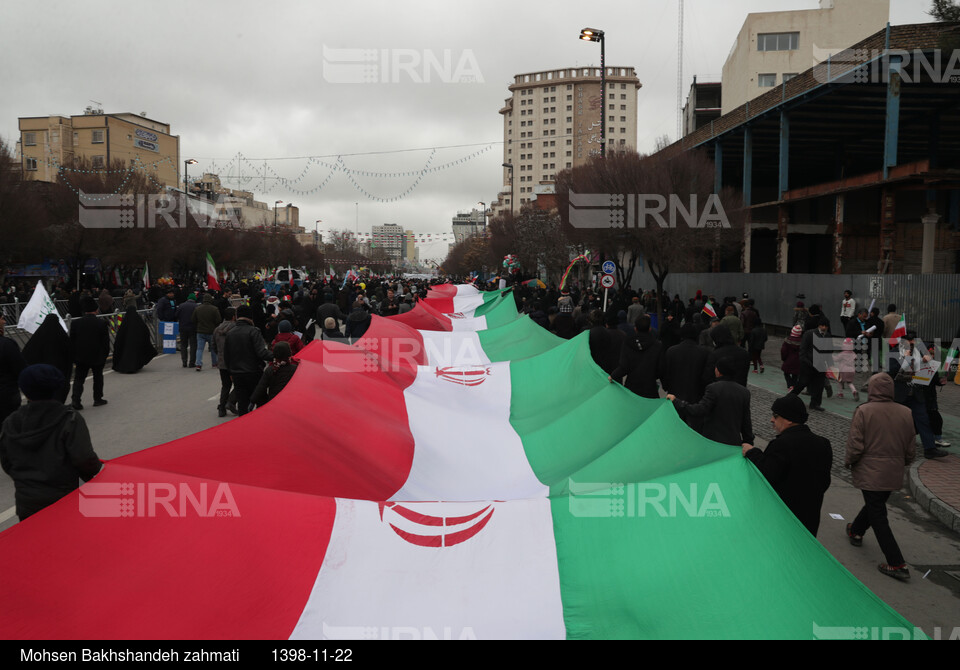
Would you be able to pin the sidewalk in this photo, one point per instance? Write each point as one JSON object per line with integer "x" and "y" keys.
{"x": 935, "y": 484}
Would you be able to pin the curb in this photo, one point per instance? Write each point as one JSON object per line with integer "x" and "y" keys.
{"x": 928, "y": 500}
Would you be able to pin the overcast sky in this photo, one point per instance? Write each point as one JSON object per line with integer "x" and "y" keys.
{"x": 282, "y": 81}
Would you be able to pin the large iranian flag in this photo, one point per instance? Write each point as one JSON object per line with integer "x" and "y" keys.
{"x": 515, "y": 495}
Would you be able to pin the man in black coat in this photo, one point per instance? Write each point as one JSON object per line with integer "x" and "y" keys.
{"x": 90, "y": 344}
{"x": 606, "y": 342}
{"x": 726, "y": 347}
{"x": 683, "y": 366}
{"x": 640, "y": 359}
{"x": 244, "y": 352}
{"x": 724, "y": 409}
{"x": 12, "y": 364}
{"x": 796, "y": 462}
{"x": 814, "y": 346}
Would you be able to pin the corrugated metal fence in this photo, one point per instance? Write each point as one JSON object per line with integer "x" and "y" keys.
{"x": 931, "y": 302}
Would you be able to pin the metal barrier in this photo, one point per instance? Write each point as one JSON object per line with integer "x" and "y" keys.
{"x": 931, "y": 302}
{"x": 11, "y": 310}
{"x": 149, "y": 316}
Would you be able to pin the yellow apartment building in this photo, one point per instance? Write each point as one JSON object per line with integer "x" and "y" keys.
{"x": 102, "y": 140}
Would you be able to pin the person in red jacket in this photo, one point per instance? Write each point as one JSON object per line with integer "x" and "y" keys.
{"x": 287, "y": 335}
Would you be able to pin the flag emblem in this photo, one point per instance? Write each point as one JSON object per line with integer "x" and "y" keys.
{"x": 470, "y": 375}
{"x": 435, "y": 531}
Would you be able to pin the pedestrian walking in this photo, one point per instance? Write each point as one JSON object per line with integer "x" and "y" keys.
{"x": 879, "y": 447}
{"x": 90, "y": 344}
{"x": 45, "y": 446}
{"x": 812, "y": 366}
{"x": 205, "y": 320}
{"x": 50, "y": 345}
{"x": 188, "y": 331}
{"x": 12, "y": 364}
{"x": 724, "y": 408}
{"x": 640, "y": 361}
{"x": 228, "y": 397}
{"x": 245, "y": 353}
{"x": 133, "y": 347}
{"x": 848, "y": 308}
{"x": 796, "y": 462}
{"x": 790, "y": 357}
{"x": 846, "y": 360}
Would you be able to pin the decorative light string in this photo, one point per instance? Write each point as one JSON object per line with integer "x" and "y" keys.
{"x": 247, "y": 171}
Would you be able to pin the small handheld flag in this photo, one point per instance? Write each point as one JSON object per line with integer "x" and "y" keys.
{"x": 899, "y": 331}
{"x": 709, "y": 310}
{"x": 212, "y": 282}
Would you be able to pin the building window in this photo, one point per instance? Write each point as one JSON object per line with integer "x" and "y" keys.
{"x": 778, "y": 41}
{"x": 30, "y": 163}
{"x": 96, "y": 162}
{"x": 97, "y": 137}
{"x": 787, "y": 76}
{"x": 766, "y": 80}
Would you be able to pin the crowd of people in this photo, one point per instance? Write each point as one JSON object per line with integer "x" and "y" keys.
{"x": 697, "y": 353}
{"x": 701, "y": 362}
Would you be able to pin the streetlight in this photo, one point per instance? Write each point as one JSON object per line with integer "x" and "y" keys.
{"x": 509, "y": 166}
{"x": 316, "y": 232}
{"x": 276, "y": 202}
{"x": 484, "y": 205}
{"x": 189, "y": 161}
{"x": 594, "y": 35}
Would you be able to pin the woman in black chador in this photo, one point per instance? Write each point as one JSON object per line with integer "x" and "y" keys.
{"x": 133, "y": 348}
{"x": 51, "y": 345}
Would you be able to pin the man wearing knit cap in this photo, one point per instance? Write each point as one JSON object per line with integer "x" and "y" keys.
{"x": 45, "y": 445}
{"x": 796, "y": 462}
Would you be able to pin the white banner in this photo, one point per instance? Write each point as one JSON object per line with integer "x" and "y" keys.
{"x": 37, "y": 309}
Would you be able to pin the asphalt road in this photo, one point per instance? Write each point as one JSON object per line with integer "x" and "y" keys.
{"x": 165, "y": 401}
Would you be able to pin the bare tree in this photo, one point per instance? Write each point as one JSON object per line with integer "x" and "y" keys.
{"x": 679, "y": 224}
{"x": 945, "y": 10}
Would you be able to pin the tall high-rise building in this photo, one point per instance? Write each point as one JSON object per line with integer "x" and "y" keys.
{"x": 410, "y": 246}
{"x": 389, "y": 237}
{"x": 552, "y": 121}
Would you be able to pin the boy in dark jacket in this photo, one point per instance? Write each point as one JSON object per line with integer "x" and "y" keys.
{"x": 45, "y": 445}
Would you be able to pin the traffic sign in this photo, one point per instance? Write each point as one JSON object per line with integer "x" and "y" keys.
{"x": 607, "y": 281}
{"x": 609, "y": 267}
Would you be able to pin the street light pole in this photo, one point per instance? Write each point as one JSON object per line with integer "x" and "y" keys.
{"x": 278, "y": 202}
{"x": 189, "y": 161}
{"x": 509, "y": 166}
{"x": 594, "y": 35}
{"x": 484, "y": 205}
